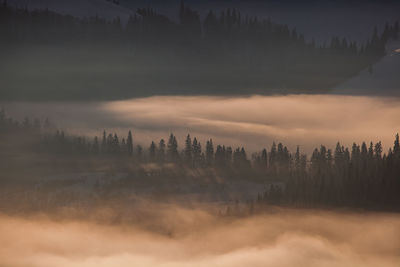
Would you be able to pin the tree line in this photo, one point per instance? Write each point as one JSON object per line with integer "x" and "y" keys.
{"x": 360, "y": 176}
{"x": 262, "y": 51}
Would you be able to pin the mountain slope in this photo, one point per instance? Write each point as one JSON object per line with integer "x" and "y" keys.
{"x": 382, "y": 79}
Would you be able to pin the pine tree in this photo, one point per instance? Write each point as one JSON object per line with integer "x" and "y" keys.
{"x": 104, "y": 143}
{"x": 115, "y": 144}
{"x": 396, "y": 147}
{"x": 243, "y": 158}
{"x": 196, "y": 151}
{"x": 209, "y": 152}
{"x": 129, "y": 144}
{"x": 110, "y": 143}
{"x": 378, "y": 150}
{"x": 273, "y": 158}
{"x": 152, "y": 151}
{"x": 228, "y": 155}
{"x": 264, "y": 158}
{"x": 172, "y": 149}
{"x": 161, "y": 151}
{"x": 188, "y": 150}
{"x": 297, "y": 159}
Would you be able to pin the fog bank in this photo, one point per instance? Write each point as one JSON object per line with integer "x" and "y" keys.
{"x": 255, "y": 121}
{"x": 285, "y": 238}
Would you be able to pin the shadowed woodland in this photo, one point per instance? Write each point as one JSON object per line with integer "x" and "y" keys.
{"x": 362, "y": 176}
{"x": 226, "y": 53}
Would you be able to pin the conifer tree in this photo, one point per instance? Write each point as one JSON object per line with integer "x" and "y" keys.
{"x": 172, "y": 148}
{"x": 110, "y": 143}
{"x": 161, "y": 151}
{"x": 115, "y": 144}
{"x": 188, "y": 150}
{"x": 264, "y": 158}
{"x": 209, "y": 152}
{"x": 152, "y": 151}
{"x": 396, "y": 147}
{"x": 129, "y": 144}
{"x": 196, "y": 149}
{"x": 297, "y": 159}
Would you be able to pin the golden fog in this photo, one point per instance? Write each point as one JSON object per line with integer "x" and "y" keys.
{"x": 255, "y": 121}
{"x": 197, "y": 238}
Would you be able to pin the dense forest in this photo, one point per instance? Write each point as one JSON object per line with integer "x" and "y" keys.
{"x": 153, "y": 54}
{"x": 362, "y": 176}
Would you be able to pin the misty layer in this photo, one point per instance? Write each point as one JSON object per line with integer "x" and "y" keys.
{"x": 254, "y": 122}
{"x": 361, "y": 176}
{"x": 284, "y": 238}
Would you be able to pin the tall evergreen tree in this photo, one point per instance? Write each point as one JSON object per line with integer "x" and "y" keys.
{"x": 172, "y": 148}
{"x": 152, "y": 151}
{"x": 129, "y": 144}
{"x": 396, "y": 147}
{"x": 264, "y": 158}
{"x": 115, "y": 144}
{"x": 188, "y": 150}
{"x": 161, "y": 151}
{"x": 196, "y": 149}
{"x": 209, "y": 152}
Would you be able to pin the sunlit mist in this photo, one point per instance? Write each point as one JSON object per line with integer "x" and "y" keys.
{"x": 254, "y": 121}
{"x": 286, "y": 238}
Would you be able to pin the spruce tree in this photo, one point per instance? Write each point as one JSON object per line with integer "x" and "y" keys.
{"x": 188, "y": 150}
{"x": 161, "y": 151}
{"x": 115, "y": 144}
{"x": 172, "y": 148}
{"x": 104, "y": 142}
{"x": 152, "y": 151}
{"x": 396, "y": 147}
{"x": 209, "y": 152}
{"x": 196, "y": 151}
{"x": 129, "y": 144}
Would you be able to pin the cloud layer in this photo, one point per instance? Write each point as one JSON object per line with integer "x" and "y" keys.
{"x": 255, "y": 121}
{"x": 286, "y": 238}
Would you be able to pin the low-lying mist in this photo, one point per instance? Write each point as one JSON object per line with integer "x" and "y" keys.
{"x": 254, "y": 121}
{"x": 198, "y": 238}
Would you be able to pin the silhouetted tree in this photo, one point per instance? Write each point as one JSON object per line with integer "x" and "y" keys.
{"x": 188, "y": 150}
{"x": 172, "y": 148}
{"x": 209, "y": 152}
{"x": 129, "y": 144}
{"x": 152, "y": 151}
{"x": 161, "y": 151}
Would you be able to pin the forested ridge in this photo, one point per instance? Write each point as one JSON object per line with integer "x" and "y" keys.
{"x": 154, "y": 54}
{"x": 361, "y": 176}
